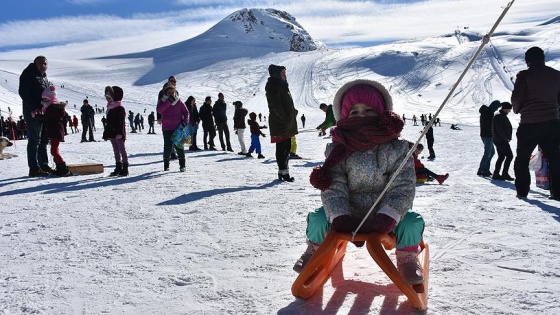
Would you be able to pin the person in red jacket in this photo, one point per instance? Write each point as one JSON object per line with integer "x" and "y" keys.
{"x": 52, "y": 113}
{"x": 422, "y": 172}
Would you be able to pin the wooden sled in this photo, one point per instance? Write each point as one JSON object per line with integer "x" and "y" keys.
{"x": 85, "y": 168}
{"x": 332, "y": 250}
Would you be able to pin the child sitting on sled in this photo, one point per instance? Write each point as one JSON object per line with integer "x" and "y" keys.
{"x": 364, "y": 154}
{"x": 422, "y": 173}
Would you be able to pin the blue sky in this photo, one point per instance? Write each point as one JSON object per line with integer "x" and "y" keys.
{"x": 35, "y": 23}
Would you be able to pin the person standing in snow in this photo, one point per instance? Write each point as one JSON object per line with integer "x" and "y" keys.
{"x": 32, "y": 82}
{"x": 302, "y": 121}
{"x": 87, "y": 119}
{"x": 486, "y": 118}
{"x": 255, "y": 133}
{"x": 366, "y": 151}
{"x": 220, "y": 117}
{"x": 52, "y": 113}
{"x": 173, "y": 113}
{"x": 329, "y": 119}
{"x": 239, "y": 125}
{"x": 536, "y": 96}
{"x": 194, "y": 120}
{"x": 430, "y": 142}
{"x": 208, "y": 126}
{"x": 501, "y": 136}
{"x": 282, "y": 118}
{"x": 115, "y": 130}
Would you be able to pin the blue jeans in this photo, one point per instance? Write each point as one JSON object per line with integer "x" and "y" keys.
{"x": 487, "y": 156}
{"x": 255, "y": 144}
{"x": 36, "y": 148}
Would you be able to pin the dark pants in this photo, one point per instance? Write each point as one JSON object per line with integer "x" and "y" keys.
{"x": 425, "y": 171}
{"x": 430, "y": 141}
{"x": 36, "y": 148}
{"x": 151, "y": 129}
{"x": 547, "y": 136}
{"x": 86, "y": 128}
{"x": 504, "y": 154}
{"x": 283, "y": 155}
{"x": 209, "y": 131}
{"x": 168, "y": 146}
{"x": 223, "y": 129}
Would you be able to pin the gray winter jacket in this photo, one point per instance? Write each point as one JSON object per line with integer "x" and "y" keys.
{"x": 358, "y": 181}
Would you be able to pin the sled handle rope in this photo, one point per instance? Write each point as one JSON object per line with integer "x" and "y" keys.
{"x": 485, "y": 40}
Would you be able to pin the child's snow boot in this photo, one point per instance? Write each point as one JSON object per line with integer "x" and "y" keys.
{"x": 506, "y": 176}
{"x": 305, "y": 257}
{"x": 118, "y": 169}
{"x": 261, "y": 156}
{"x": 62, "y": 170}
{"x": 409, "y": 267}
{"x": 124, "y": 171}
{"x": 441, "y": 178}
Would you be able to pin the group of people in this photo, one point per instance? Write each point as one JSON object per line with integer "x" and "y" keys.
{"x": 365, "y": 129}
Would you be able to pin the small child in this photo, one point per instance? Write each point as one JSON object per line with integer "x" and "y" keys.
{"x": 501, "y": 136}
{"x": 53, "y": 113}
{"x": 255, "y": 133}
{"x": 366, "y": 151}
{"x": 422, "y": 173}
{"x": 115, "y": 130}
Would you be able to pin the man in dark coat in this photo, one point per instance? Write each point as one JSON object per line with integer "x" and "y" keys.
{"x": 151, "y": 121}
{"x": 32, "y": 82}
{"x": 87, "y": 119}
{"x": 536, "y": 96}
{"x": 486, "y": 117}
{"x": 220, "y": 117}
{"x": 205, "y": 114}
{"x": 282, "y": 118}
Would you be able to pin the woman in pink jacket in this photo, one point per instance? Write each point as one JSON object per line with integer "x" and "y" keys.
{"x": 174, "y": 112}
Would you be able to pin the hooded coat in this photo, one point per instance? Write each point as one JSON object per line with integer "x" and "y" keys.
{"x": 282, "y": 113}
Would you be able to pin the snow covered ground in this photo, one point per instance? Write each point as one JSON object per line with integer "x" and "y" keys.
{"x": 222, "y": 237}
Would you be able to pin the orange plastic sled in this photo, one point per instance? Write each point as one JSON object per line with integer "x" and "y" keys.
{"x": 332, "y": 250}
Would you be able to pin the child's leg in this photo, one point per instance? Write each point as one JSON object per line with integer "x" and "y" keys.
{"x": 254, "y": 139}
{"x": 258, "y": 145}
{"x": 409, "y": 230}
{"x": 116, "y": 151}
{"x": 317, "y": 227}
{"x": 293, "y": 145}
{"x": 57, "y": 158}
{"x": 426, "y": 171}
{"x": 121, "y": 147}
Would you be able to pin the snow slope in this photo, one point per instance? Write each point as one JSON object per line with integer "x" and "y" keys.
{"x": 222, "y": 238}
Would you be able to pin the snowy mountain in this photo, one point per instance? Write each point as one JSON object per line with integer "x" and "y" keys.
{"x": 222, "y": 237}
{"x": 244, "y": 33}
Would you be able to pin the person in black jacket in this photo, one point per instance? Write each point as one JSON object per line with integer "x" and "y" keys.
{"x": 486, "y": 117}
{"x": 239, "y": 125}
{"x": 32, "y": 82}
{"x": 205, "y": 114}
{"x": 116, "y": 129}
{"x": 194, "y": 120}
{"x": 220, "y": 117}
{"x": 151, "y": 121}
{"x": 501, "y": 136}
{"x": 87, "y": 118}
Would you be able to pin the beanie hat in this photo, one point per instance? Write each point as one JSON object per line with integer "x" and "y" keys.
{"x": 369, "y": 92}
{"x": 534, "y": 54}
{"x": 275, "y": 70}
{"x": 50, "y": 94}
{"x": 117, "y": 93}
{"x": 506, "y": 105}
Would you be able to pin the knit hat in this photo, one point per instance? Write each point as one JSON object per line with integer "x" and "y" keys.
{"x": 368, "y": 92}
{"x": 534, "y": 54}
{"x": 506, "y": 105}
{"x": 50, "y": 94}
{"x": 118, "y": 93}
{"x": 275, "y": 70}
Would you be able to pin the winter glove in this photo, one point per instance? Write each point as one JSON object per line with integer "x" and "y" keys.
{"x": 159, "y": 121}
{"x": 348, "y": 223}
{"x": 383, "y": 223}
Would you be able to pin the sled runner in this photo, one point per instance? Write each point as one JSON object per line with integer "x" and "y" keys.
{"x": 85, "y": 168}
{"x": 332, "y": 250}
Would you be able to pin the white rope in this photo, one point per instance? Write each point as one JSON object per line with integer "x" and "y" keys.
{"x": 485, "y": 40}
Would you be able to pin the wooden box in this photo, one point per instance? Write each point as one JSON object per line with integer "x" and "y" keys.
{"x": 85, "y": 168}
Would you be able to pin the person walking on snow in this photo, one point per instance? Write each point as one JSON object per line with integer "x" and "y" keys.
{"x": 173, "y": 113}
{"x": 255, "y": 133}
